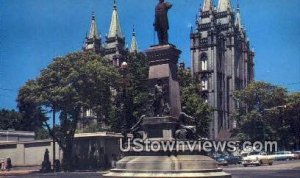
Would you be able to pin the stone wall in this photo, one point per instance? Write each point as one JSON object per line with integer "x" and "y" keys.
{"x": 27, "y": 153}
{"x": 16, "y": 136}
{"x": 93, "y": 150}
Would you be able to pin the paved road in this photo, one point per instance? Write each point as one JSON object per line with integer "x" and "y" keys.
{"x": 290, "y": 169}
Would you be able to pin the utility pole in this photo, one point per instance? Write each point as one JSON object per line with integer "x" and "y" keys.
{"x": 53, "y": 140}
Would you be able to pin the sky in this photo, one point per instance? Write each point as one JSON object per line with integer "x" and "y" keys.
{"x": 33, "y": 32}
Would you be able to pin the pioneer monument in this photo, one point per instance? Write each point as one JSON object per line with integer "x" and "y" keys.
{"x": 164, "y": 123}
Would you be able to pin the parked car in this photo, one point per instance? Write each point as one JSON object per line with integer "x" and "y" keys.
{"x": 221, "y": 160}
{"x": 257, "y": 159}
{"x": 233, "y": 159}
{"x": 228, "y": 159}
{"x": 284, "y": 155}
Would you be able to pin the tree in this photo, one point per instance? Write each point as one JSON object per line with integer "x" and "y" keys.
{"x": 137, "y": 93}
{"x": 32, "y": 114}
{"x": 185, "y": 78}
{"x": 192, "y": 103}
{"x": 292, "y": 115}
{"x": 252, "y": 116}
{"x": 66, "y": 87}
{"x": 10, "y": 119}
{"x": 267, "y": 112}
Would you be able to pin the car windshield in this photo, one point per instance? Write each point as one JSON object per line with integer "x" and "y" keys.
{"x": 244, "y": 154}
{"x": 254, "y": 153}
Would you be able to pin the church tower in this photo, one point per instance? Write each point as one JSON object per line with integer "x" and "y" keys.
{"x": 115, "y": 41}
{"x": 222, "y": 61}
{"x": 93, "y": 39}
{"x": 134, "y": 45}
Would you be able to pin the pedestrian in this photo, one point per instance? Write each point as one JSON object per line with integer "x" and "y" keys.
{"x": 113, "y": 161}
{"x": 8, "y": 164}
{"x": 2, "y": 164}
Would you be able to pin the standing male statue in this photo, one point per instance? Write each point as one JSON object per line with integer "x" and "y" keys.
{"x": 161, "y": 23}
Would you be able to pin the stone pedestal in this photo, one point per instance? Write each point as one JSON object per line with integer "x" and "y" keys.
{"x": 163, "y": 67}
{"x": 181, "y": 166}
{"x": 159, "y": 164}
{"x": 160, "y": 127}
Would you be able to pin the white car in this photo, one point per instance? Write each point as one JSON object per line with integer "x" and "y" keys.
{"x": 257, "y": 159}
{"x": 284, "y": 155}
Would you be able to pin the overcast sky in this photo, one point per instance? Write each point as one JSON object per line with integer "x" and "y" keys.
{"x": 33, "y": 32}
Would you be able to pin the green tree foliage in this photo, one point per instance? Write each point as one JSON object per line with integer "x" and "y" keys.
{"x": 10, "y": 119}
{"x": 29, "y": 117}
{"x": 267, "y": 112}
{"x": 251, "y": 117}
{"x": 192, "y": 103}
{"x": 185, "y": 78}
{"x": 66, "y": 87}
{"x": 292, "y": 115}
{"x": 137, "y": 93}
{"x": 32, "y": 114}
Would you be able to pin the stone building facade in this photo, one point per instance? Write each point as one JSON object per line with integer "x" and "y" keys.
{"x": 222, "y": 61}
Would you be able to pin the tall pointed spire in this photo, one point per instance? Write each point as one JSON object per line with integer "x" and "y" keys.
{"x": 224, "y": 5}
{"x": 134, "y": 45}
{"x": 208, "y": 5}
{"x": 238, "y": 19}
{"x": 93, "y": 39}
{"x": 93, "y": 29}
{"x": 115, "y": 27}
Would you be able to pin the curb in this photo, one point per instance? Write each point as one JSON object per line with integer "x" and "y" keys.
{"x": 18, "y": 173}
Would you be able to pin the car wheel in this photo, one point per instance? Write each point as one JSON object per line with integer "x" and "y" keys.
{"x": 260, "y": 163}
{"x": 245, "y": 165}
{"x": 270, "y": 163}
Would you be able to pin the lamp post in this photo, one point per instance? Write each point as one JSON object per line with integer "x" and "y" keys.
{"x": 53, "y": 140}
{"x": 123, "y": 68}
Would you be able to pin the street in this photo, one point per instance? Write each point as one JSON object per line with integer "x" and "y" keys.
{"x": 281, "y": 169}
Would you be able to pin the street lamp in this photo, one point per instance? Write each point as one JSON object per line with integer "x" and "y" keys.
{"x": 123, "y": 68}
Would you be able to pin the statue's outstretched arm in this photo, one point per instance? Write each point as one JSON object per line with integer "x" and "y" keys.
{"x": 186, "y": 116}
{"x": 169, "y": 5}
{"x": 138, "y": 123}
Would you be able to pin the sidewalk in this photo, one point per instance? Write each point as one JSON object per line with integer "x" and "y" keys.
{"x": 17, "y": 172}
{"x": 23, "y": 172}
{"x": 20, "y": 170}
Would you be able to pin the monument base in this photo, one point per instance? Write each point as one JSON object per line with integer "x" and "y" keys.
{"x": 163, "y": 127}
{"x": 181, "y": 166}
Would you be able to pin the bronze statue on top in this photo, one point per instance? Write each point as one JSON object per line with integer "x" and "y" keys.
{"x": 161, "y": 23}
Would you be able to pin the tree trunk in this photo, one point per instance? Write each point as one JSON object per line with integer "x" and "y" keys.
{"x": 68, "y": 152}
{"x": 67, "y": 162}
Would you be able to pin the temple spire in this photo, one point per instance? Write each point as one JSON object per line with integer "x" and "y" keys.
{"x": 134, "y": 45}
{"x": 93, "y": 39}
{"x": 115, "y": 27}
{"x": 224, "y": 5}
{"x": 93, "y": 28}
{"x": 238, "y": 19}
{"x": 208, "y": 5}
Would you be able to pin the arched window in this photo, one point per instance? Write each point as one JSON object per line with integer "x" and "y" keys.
{"x": 205, "y": 97}
{"x": 204, "y": 83}
{"x": 203, "y": 62}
